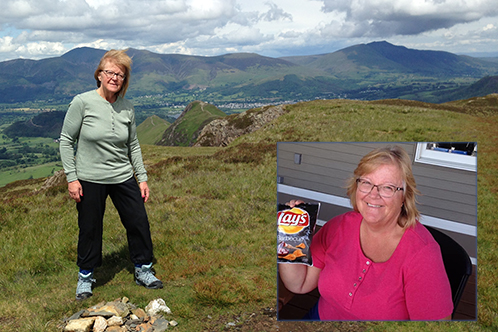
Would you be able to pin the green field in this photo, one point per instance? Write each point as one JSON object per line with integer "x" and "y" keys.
{"x": 27, "y": 158}
{"x": 33, "y": 172}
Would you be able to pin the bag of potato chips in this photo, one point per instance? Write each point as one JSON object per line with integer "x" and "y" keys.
{"x": 295, "y": 228}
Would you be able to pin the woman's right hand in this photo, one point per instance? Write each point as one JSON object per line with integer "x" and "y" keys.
{"x": 294, "y": 202}
{"x": 75, "y": 190}
{"x": 298, "y": 278}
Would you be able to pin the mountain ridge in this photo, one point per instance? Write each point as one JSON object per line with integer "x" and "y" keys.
{"x": 346, "y": 73}
{"x": 385, "y": 56}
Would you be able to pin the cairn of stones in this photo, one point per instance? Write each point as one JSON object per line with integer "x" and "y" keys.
{"x": 121, "y": 316}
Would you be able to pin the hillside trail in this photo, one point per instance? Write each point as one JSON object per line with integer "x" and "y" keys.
{"x": 34, "y": 124}
{"x": 202, "y": 108}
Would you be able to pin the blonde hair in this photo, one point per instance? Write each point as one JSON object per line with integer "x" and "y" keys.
{"x": 393, "y": 155}
{"x": 119, "y": 58}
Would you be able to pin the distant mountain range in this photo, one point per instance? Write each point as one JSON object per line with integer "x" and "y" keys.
{"x": 367, "y": 71}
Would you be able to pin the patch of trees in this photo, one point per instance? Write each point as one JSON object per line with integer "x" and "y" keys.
{"x": 27, "y": 155}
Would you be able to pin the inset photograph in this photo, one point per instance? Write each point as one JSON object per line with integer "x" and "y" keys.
{"x": 377, "y": 231}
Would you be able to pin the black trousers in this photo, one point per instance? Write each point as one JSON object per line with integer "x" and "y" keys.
{"x": 128, "y": 201}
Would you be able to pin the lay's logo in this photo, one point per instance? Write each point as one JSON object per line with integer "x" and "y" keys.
{"x": 292, "y": 221}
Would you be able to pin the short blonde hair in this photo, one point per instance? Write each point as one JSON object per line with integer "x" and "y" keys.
{"x": 120, "y": 58}
{"x": 393, "y": 155}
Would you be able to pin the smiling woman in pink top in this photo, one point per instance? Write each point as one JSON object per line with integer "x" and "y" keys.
{"x": 376, "y": 262}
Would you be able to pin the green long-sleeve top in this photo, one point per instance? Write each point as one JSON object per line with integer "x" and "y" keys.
{"x": 108, "y": 151}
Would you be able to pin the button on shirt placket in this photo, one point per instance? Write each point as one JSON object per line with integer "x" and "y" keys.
{"x": 113, "y": 119}
{"x": 356, "y": 284}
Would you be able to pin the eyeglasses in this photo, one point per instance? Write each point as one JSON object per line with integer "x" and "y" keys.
{"x": 386, "y": 191}
{"x": 110, "y": 74}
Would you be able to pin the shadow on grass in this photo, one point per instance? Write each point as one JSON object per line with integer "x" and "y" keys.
{"x": 112, "y": 264}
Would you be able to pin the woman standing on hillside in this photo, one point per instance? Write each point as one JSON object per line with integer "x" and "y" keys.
{"x": 107, "y": 159}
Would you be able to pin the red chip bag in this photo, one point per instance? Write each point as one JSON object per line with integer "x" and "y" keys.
{"x": 295, "y": 228}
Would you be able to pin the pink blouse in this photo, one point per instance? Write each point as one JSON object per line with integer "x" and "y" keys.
{"x": 411, "y": 285}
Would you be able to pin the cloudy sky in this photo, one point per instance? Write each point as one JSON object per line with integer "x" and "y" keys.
{"x": 35, "y": 29}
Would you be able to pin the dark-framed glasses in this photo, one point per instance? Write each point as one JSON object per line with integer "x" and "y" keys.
{"x": 110, "y": 74}
{"x": 386, "y": 191}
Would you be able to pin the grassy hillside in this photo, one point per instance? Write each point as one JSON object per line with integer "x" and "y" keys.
{"x": 32, "y": 172}
{"x": 27, "y": 157}
{"x": 212, "y": 214}
{"x": 483, "y": 87}
{"x": 151, "y": 130}
{"x": 184, "y": 131}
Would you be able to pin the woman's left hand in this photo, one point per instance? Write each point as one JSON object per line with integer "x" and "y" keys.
{"x": 144, "y": 189}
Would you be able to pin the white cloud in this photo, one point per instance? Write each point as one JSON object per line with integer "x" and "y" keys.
{"x": 31, "y": 50}
{"x": 6, "y": 45}
{"x": 275, "y": 13}
{"x": 40, "y": 28}
{"x": 489, "y": 27}
{"x": 40, "y": 48}
{"x": 385, "y": 18}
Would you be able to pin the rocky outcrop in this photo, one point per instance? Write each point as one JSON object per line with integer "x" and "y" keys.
{"x": 221, "y": 132}
{"x": 57, "y": 179}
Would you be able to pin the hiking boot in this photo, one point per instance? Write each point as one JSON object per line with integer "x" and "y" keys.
{"x": 145, "y": 277}
{"x": 84, "y": 288}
